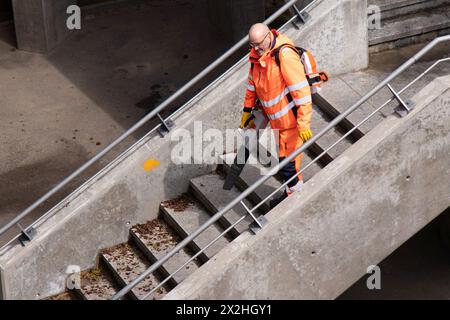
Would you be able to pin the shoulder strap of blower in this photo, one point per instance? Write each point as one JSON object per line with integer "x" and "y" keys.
{"x": 313, "y": 77}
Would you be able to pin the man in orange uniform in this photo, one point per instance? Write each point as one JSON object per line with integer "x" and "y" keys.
{"x": 285, "y": 96}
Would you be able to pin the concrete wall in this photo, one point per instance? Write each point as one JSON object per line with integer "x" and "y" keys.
{"x": 351, "y": 215}
{"x": 40, "y": 25}
{"x": 100, "y": 213}
{"x": 233, "y": 18}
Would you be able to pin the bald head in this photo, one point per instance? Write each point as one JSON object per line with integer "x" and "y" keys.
{"x": 257, "y": 32}
{"x": 260, "y": 38}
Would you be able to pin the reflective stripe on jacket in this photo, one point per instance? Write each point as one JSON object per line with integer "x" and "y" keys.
{"x": 275, "y": 87}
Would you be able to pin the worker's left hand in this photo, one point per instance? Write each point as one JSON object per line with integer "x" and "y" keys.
{"x": 305, "y": 134}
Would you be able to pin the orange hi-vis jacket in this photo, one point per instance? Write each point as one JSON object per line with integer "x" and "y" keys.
{"x": 280, "y": 89}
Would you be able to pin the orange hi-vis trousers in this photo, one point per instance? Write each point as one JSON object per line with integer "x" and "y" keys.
{"x": 289, "y": 141}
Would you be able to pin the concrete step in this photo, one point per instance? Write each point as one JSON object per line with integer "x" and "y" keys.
{"x": 318, "y": 122}
{"x": 395, "y": 8}
{"x": 312, "y": 169}
{"x": 209, "y": 190}
{"x": 386, "y": 5}
{"x": 155, "y": 239}
{"x": 338, "y": 96}
{"x": 411, "y": 25}
{"x": 97, "y": 284}
{"x": 126, "y": 263}
{"x": 345, "y": 125}
{"x": 185, "y": 215}
{"x": 252, "y": 172}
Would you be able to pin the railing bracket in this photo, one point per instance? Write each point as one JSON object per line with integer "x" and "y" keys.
{"x": 255, "y": 227}
{"x": 167, "y": 125}
{"x": 26, "y": 235}
{"x": 402, "y": 111}
{"x": 304, "y": 17}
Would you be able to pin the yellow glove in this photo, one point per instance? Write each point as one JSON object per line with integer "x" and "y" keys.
{"x": 245, "y": 116}
{"x": 305, "y": 135}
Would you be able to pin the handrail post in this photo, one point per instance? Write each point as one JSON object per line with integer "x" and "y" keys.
{"x": 167, "y": 125}
{"x": 303, "y": 16}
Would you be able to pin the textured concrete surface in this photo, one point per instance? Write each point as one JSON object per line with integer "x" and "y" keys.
{"x": 335, "y": 26}
{"x": 341, "y": 96}
{"x": 318, "y": 122}
{"x": 186, "y": 221}
{"x": 390, "y": 9}
{"x": 411, "y": 25}
{"x": 351, "y": 215}
{"x": 40, "y": 25}
{"x": 249, "y": 175}
{"x": 126, "y": 263}
{"x": 343, "y": 29}
{"x": 209, "y": 190}
{"x": 158, "y": 243}
{"x": 96, "y": 286}
{"x": 386, "y": 5}
{"x": 405, "y": 22}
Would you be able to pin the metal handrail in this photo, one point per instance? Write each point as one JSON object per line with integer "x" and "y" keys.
{"x": 283, "y": 163}
{"x": 144, "y": 120}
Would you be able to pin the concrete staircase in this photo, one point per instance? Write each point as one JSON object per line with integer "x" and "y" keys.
{"x": 119, "y": 265}
{"x": 405, "y": 22}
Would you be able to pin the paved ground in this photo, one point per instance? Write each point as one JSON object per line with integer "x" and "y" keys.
{"x": 59, "y": 111}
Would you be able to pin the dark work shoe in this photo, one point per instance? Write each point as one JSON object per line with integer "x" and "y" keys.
{"x": 274, "y": 202}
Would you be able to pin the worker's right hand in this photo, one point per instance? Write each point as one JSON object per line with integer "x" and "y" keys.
{"x": 245, "y": 116}
{"x": 305, "y": 134}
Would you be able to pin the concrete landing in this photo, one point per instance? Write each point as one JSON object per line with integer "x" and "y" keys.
{"x": 344, "y": 90}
